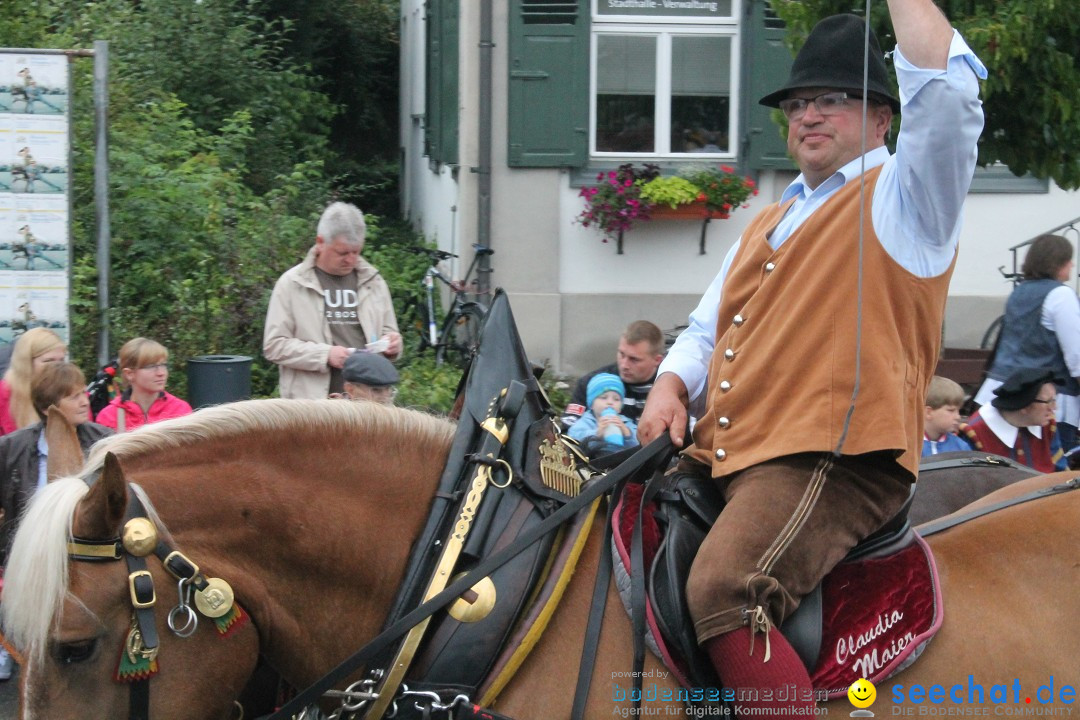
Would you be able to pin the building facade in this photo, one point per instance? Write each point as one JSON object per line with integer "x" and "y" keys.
{"x": 511, "y": 107}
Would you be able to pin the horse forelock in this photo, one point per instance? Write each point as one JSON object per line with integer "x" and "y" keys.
{"x": 36, "y": 576}
{"x": 233, "y": 420}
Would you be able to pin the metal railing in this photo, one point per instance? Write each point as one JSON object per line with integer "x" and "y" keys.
{"x": 1068, "y": 226}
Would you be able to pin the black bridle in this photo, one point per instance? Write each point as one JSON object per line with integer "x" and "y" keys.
{"x": 139, "y": 539}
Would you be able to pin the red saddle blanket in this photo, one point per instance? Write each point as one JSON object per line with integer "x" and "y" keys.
{"x": 878, "y": 612}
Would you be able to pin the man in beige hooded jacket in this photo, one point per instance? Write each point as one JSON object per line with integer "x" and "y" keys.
{"x": 332, "y": 304}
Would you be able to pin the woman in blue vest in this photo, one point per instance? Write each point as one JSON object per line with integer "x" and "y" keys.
{"x": 1042, "y": 330}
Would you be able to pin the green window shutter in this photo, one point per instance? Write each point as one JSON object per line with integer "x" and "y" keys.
{"x": 766, "y": 63}
{"x": 548, "y": 123}
{"x": 441, "y": 101}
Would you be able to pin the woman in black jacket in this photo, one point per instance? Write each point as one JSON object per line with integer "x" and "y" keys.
{"x": 23, "y": 453}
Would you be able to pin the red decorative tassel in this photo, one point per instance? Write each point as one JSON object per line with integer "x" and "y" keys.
{"x": 236, "y": 618}
{"x": 141, "y": 669}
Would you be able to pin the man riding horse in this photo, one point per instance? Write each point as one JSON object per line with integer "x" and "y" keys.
{"x": 823, "y": 329}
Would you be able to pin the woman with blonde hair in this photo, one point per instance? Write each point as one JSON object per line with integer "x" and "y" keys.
{"x": 144, "y": 365}
{"x": 34, "y": 349}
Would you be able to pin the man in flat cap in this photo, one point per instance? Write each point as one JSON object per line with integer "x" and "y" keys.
{"x": 370, "y": 376}
{"x": 808, "y": 358}
{"x": 1019, "y": 422}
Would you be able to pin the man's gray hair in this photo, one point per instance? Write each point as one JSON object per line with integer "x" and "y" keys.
{"x": 344, "y": 221}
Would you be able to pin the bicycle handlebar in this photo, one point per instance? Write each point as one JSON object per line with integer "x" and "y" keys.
{"x": 1013, "y": 276}
{"x": 435, "y": 255}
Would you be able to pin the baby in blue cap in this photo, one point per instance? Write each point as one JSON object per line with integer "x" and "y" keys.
{"x": 604, "y": 424}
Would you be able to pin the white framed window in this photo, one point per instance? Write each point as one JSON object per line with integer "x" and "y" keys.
{"x": 661, "y": 86}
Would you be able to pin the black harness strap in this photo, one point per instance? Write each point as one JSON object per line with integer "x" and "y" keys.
{"x": 637, "y": 594}
{"x": 140, "y": 586}
{"x": 485, "y": 567}
{"x": 596, "y": 614}
{"x": 139, "y": 700}
{"x": 977, "y": 461}
{"x": 949, "y": 521}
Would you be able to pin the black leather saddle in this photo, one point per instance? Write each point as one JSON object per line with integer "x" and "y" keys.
{"x": 686, "y": 507}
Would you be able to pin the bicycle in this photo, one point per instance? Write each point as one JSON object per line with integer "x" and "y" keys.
{"x": 672, "y": 334}
{"x": 456, "y": 338}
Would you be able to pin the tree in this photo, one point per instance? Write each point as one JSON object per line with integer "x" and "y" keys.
{"x": 213, "y": 194}
{"x": 1032, "y": 95}
{"x": 353, "y": 47}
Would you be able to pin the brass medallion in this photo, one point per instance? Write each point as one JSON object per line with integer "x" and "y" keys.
{"x": 216, "y": 599}
{"x": 140, "y": 537}
{"x": 474, "y": 604}
{"x": 558, "y": 469}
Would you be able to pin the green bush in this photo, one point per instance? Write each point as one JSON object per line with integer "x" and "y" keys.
{"x": 427, "y": 385}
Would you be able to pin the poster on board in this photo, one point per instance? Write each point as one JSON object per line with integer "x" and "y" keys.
{"x": 32, "y": 300}
{"x": 34, "y": 204}
{"x": 33, "y": 233}
{"x": 33, "y": 84}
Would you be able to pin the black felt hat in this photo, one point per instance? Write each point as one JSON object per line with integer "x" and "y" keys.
{"x": 832, "y": 57}
{"x": 1022, "y": 387}
{"x": 369, "y": 369}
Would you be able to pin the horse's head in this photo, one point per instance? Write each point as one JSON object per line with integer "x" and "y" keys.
{"x": 72, "y": 619}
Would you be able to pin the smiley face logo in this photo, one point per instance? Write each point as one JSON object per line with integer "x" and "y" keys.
{"x": 862, "y": 693}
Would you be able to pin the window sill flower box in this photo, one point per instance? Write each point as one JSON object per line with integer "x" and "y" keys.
{"x": 696, "y": 210}
{"x": 629, "y": 194}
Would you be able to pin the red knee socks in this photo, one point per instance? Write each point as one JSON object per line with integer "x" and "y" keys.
{"x": 782, "y": 682}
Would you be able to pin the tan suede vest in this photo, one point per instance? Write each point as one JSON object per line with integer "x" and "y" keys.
{"x": 782, "y": 373}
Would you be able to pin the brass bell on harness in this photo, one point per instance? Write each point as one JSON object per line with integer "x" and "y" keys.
{"x": 140, "y": 537}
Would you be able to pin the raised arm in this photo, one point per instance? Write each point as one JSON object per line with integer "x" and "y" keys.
{"x": 922, "y": 32}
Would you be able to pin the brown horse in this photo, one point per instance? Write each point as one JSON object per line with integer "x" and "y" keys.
{"x": 308, "y": 510}
{"x": 949, "y": 481}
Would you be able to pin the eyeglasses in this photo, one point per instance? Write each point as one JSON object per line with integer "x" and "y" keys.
{"x": 830, "y": 103}
{"x": 387, "y": 392}
{"x": 1052, "y": 401}
{"x": 156, "y": 366}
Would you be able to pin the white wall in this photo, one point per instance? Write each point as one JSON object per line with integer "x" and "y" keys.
{"x": 993, "y": 223}
{"x": 431, "y": 195}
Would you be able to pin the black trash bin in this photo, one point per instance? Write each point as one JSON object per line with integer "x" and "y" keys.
{"x": 216, "y": 379}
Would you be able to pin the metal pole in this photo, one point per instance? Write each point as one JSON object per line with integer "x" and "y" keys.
{"x": 483, "y": 230}
{"x": 101, "y": 191}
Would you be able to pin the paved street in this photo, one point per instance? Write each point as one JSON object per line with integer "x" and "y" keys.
{"x": 9, "y": 698}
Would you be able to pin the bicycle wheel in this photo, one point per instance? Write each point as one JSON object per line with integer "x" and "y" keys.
{"x": 460, "y": 335}
{"x": 989, "y": 338}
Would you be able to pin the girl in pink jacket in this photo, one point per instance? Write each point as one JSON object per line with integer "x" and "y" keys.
{"x": 144, "y": 365}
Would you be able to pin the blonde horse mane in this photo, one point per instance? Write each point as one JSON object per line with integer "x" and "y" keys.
{"x": 237, "y": 419}
{"x": 36, "y": 576}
